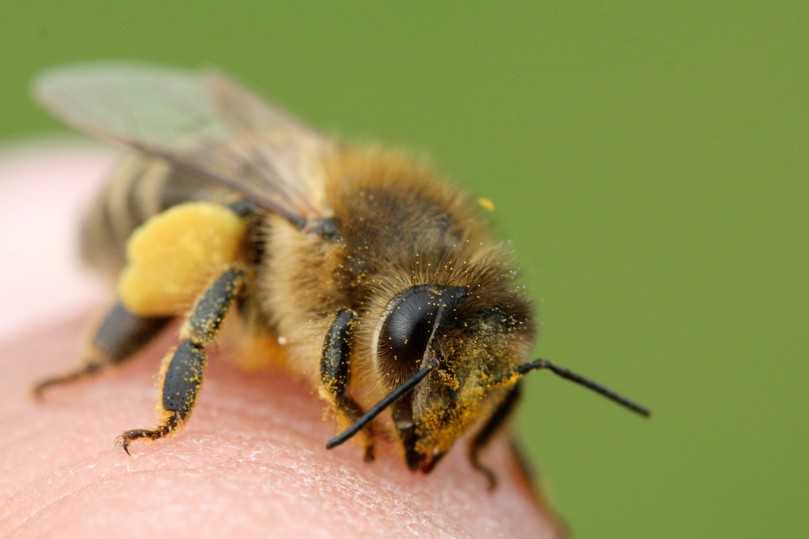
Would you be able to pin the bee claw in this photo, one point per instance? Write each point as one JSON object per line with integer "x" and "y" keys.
{"x": 125, "y": 439}
{"x": 38, "y": 392}
{"x": 39, "y": 389}
{"x": 123, "y": 442}
{"x": 491, "y": 477}
{"x": 136, "y": 434}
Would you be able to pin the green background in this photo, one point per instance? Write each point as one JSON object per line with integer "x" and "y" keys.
{"x": 649, "y": 164}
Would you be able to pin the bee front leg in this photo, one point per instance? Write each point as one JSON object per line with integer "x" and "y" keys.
{"x": 489, "y": 429}
{"x": 335, "y": 375}
{"x": 119, "y": 336}
{"x": 184, "y": 367}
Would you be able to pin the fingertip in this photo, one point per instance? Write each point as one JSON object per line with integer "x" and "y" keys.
{"x": 252, "y": 454}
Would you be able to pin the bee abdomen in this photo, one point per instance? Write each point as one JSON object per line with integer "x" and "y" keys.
{"x": 138, "y": 188}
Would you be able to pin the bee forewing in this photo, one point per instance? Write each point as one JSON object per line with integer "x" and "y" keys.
{"x": 242, "y": 109}
{"x": 201, "y": 122}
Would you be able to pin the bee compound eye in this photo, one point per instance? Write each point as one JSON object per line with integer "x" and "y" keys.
{"x": 408, "y": 325}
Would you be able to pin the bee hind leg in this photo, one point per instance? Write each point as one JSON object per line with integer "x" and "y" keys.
{"x": 489, "y": 429}
{"x": 119, "y": 336}
{"x": 335, "y": 375}
{"x": 183, "y": 367}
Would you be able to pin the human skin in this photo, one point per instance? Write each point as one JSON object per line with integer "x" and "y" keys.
{"x": 251, "y": 461}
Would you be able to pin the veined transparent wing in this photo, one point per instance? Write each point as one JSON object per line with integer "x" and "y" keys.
{"x": 200, "y": 122}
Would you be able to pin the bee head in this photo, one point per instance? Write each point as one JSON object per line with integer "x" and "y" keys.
{"x": 449, "y": 355}
{"x": 464, "y": 345}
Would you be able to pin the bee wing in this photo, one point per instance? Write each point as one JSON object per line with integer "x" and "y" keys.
{"x": 201, "y": 122}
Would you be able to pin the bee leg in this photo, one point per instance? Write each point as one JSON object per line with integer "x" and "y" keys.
{"x": 183, "y": 368}
{"x": 335, "y": 375}
{"x": 119, "y": 336}
{"x": 482, "y": 438}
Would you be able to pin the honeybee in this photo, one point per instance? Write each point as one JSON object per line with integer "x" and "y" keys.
{"x": 358, "y": 267}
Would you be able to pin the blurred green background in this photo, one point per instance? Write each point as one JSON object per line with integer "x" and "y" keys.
{"x": 649, "y": 164}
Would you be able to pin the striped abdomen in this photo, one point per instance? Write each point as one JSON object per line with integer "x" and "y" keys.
{"x": 138, "y": 188}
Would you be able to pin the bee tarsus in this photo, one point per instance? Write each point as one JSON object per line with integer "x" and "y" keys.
{"x": 184, "y": 368}
{"x": 171, "y": 422}
{"x": 119, "y": 336}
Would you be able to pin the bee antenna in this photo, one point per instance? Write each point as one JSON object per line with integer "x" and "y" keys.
{"x": 377, "y": 409}
{"x": 582, "y": 381}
